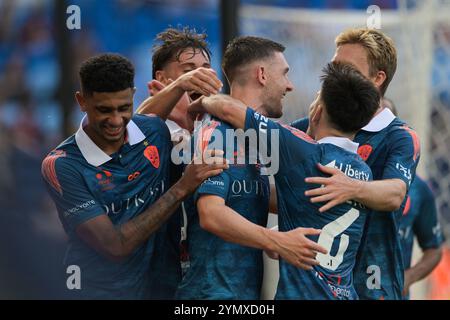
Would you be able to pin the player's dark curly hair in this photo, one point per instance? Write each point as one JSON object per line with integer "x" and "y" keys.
{"x": 350, "y": 99}
{"x": 173, "y": 42}
{"x": 247, "y": 49}
{"x": 106, "y": 72}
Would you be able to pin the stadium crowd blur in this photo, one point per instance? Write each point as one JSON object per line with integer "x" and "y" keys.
{"x": 32, "y": 241}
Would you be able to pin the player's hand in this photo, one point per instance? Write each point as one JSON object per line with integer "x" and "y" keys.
{"x": 203, "y": 81}
{"x": 211, "y": 163}
{"x": 335, "y": 190}
{"x": 297, "y": 249}
{"x": 196, "y": 108}
{"x": 154, "y": 87}
{"x": 178, "y": 113}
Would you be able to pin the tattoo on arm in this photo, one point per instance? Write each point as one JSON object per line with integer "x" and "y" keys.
{"x": 139, "y": 229}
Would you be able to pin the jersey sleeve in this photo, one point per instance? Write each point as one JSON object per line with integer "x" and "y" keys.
{"x": 66, "y": 186}
{"x": 212, "y": 135}
{"x": 426, "y": 226}
{"x": 286, "y": 145}
{"x": 301, "y": 124}
{"x": 217, "y": 185}
{"x": 404, "y": 154}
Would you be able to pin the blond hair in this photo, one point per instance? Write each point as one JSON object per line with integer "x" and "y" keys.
{"x": 381, "y": 52}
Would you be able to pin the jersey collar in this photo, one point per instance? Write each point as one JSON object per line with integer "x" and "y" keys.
{"x": 380, "y": 121}
{"x": 92, "y": 153}
{"x": 344, "y": 143}
{"x": 135, "y": 135}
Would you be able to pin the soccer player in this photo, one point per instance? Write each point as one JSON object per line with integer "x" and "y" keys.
{"x": 392, "y": 150}
{"x": 419, "y": 219}
{"x": 228, "y": 215}
{"x": 181, "y": 65}
{"x": 347, "y": 101}
{"x": 110, "y": 183}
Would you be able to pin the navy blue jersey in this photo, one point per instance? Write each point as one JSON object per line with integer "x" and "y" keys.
{"x": 220, "y": 269}
{"x": 165, "y": 266}
{"x": 419, "y": 219}
{"x": 84, "y": 183}
{"x": 342, "y": 226}
{"x": 392, "y": 151}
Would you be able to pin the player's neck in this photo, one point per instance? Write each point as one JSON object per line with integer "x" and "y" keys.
{"x": 108, "y": 147}
{"x": 380, "y": 108}
{"x": 247, "y": 95}
{"x": 324, "y": 132}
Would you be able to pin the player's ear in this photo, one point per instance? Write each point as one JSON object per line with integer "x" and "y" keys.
{"x": 261, "y": 75}
{"x": 317, "y": 113}
{"x": 81, "y": 101}
{"x": 380, "y": 78}
{"x": 226, "y": 77}
{"x": 160, "y": 75}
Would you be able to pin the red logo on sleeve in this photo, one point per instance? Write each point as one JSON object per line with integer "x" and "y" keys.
{"x": 206, "y": 133}
{"x": 152, "y": 154}
{"x": 299, "y": 134}
{"x": 364, "y": 151}
{"x": 407, "y": 206}
{"x": 416, "y": 142}
{"x": 49, "y": 169}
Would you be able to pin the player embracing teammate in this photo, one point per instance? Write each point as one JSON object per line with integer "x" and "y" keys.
{"x": 348, "y": 176}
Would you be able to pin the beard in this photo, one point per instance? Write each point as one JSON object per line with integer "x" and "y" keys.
{"x": 273, "y": 109}
{"x": 272, "y": 104}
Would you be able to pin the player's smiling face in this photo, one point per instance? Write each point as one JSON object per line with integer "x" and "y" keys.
{"x": 278, "y": 85}
{"x": 108, "y": 114}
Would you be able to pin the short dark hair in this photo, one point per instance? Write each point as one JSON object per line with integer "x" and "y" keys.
{"x": 106, "y": 72}
{"x": 247, "y": 49}
{"x": 350, "y": 99}
{"x": 173, "y": 42}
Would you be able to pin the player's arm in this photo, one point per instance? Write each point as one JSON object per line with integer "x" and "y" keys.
{"x": 202, "y": 80}
{"x": 386, "y": 194}
{"x": 429, "y": 260}
{"x": 429, "y": 235}
{"x": 293, "y": 246}
{"x": 223, "y": 107}
{"x": 118, "y": 242}
{"x": 382, "y": 195}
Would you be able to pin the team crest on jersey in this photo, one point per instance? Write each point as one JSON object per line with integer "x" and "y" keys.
{"x": 105, "y": 180}
{"x": 364, "y": 151}
{"x": 152, "y": 154}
